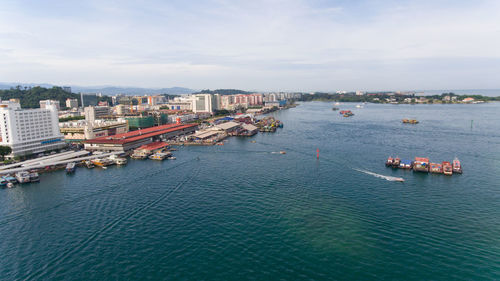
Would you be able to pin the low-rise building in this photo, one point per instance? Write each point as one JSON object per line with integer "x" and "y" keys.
{"x": 76, "y": 131}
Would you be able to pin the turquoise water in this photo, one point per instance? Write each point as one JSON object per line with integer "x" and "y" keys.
{"x": 239, "y": 211}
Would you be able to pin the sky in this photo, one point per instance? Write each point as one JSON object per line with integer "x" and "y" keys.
{"x": 273, "y": 45}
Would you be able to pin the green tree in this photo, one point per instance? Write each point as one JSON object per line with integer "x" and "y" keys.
{"x": 5, "y": 150}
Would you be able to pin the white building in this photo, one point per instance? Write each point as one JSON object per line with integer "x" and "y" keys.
{"x": 29, "y": 131}
{"x": 72, "y": 103}
{"x": 43, "y": 103}
{"x": 93, "y": 113}
{"x": 204, "y": 103}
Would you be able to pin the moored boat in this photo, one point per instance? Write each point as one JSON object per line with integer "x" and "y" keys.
{"x": 435, "y": 168}
{"x": 447, "y": 169}
{"x": 159, "y": 156}
{"x": 34, "y": 177}
{"x": 70, "y": 167}
{"x": 118, "y": 160}
{"x": 396, "y": 162}
{"x": 457, "y": 167}
{"x": 23, "y": 177}
{"x": 3, "y": 182}
{"x": 405, "y": 164}
{"x": 103, "y": 162}
{"x": 389, "y": 161}
{"x": 89, "y": 164}
{"x": 421, "y": 164}
{"x": 10, "y": 179}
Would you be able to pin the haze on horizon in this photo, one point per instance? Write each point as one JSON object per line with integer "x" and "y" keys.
{"x": 266, "y": 45}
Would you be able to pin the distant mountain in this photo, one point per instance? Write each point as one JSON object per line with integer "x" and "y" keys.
{"x": 108, "y": 90}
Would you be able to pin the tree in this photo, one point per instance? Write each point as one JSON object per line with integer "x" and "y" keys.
{"x": 5, "y": 150}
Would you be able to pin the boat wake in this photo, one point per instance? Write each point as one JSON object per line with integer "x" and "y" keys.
{"x": 389, "y": 178}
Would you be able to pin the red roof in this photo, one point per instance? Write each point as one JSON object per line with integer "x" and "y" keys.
{"x": 421, "y": 159}
{"x": 140, "y": 134}
{"x": 154, "y": 145}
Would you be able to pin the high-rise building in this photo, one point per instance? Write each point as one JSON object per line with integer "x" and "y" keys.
{"x": 71, "y": 103}
{"x": 204, "y": 103}
{"x": 29, "y": 131}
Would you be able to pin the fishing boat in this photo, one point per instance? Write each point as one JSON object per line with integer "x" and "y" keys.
{"x": 335, "y": 108}
{"x": 410, "y": 121}
{"x": 435, "y": 168}
{"x": 389, "y": 161}
{"x": 421, "y": 164}
{"x": 89, "y": 164}
{"x": 447, "y": 169}
{"x": 70, "y": 167}
{"x": 23, "y": 177}
{"x": 34, "y": 176}
{"x": 457, "y": 167}
{"x": 405, "y": 164}
{"x": 396, "y": 162}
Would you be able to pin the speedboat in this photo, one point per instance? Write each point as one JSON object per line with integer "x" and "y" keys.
{"x": 23, "y": 177}
{"x": 70, "y": 167}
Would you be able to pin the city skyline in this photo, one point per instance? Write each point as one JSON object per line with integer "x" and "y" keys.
{"x": 266, "y": 46}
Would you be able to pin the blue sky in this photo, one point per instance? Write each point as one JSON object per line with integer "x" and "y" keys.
{"x": 253, "y": 45}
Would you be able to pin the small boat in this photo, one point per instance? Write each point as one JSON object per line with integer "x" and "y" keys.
{"x": 359, "y": 106}
{"x": 89, "y": 164}
{"x": 389, "y": 161}
{"x": 10, "y": 185}
{"x": 396, "y": 162}
{"x": 159, "y": 156}
{"x": 171, "y": 158}
{"x": 23, "y": 177}
{"x": 103, "y": 162}
{"x": 70, "y": 167}
{"x": 457, "y": 167}
{"x": 410, "y": 121}
{"x": 34, "y": 176}
{"x": 118, "y": 160}
{"x": 10, "y": 179}
{"x": 3, "y": 182}
{"x": 405, "y": 164}
{"x": 335, "y": 108}
{"x": 282, "y": 152}
{"x": 435, "y": 168}
{"x": 421, "y": 164}
{"x": 447, "y": 169}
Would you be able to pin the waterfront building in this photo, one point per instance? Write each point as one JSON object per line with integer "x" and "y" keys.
{"x": 93, "y": 113}
{"x": 43, "y": 104}
{"x": 81, "y": 130}
{"x": 30, "y": 131}
{"x": 134, "y": 139}
{"x": 71, "y": 103}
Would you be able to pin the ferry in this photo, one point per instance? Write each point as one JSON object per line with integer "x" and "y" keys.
{"x": 34, "y": 177}
{"x": 436, "y": 168}
{"x": 389, "y": 161}
{"x": 457, "y": 167}
{"x": 447, "y": 169}
{"x": 23, "y": 177}
{"x": 70, "y": 167}
{"x": 421, "y": 164}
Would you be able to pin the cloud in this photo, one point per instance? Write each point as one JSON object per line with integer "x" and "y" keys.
{"x": 252, "y": 44}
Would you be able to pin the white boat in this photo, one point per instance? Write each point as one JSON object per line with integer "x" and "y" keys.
{"x": 171, "y": 158}
{"x": 359, "y": 106}
{"x": 34, "y": 177}
{"x": 118, "y": 160}
{"x": 159, "y": 156}
{"x": 23, "y": 177}
{"x": 70, "y": 167}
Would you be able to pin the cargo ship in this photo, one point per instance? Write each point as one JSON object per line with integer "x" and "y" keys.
{"x": 421, "y": 164}
{"x": 447, "y": 169}
{"x": 457, "y": 167}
